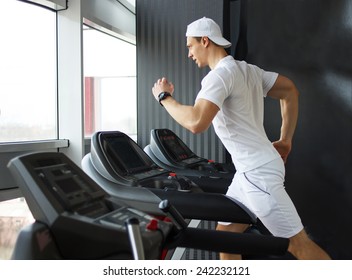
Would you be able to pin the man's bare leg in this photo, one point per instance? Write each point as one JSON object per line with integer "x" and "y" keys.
{"x": 303, "y": 248}
{"x": 300, "y": 246}
{"x": 239, "y": 228}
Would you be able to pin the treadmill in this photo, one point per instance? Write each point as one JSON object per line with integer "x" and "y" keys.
{"x": 74, "y": 217}
{"x": 77, "y": 219}
{"x": 124, "y": 170}
{"x": 167, "y": 150}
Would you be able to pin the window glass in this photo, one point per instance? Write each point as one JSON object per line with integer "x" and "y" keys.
{"x": 27, "y": 72}
{"x": 110, "y": 83}
{"x": 14, "y": 215}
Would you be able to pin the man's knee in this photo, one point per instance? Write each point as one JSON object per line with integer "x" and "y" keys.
{"x": 299, "y": 238}
{"x": 234, "y": 227}
{"x": 302, "y": 247}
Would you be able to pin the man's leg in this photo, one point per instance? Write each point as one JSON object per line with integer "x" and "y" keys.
{"x": 238, "y": 228}
{"x": 303, "y": 248}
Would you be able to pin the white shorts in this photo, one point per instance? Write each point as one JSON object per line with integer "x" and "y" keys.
{"x": 262, "y": 191}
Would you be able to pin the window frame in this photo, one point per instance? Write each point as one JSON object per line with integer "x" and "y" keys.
{"x": 69, "y": 28}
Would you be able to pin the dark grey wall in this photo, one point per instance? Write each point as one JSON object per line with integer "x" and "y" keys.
{"x": 310, "y": 41}
{"x": 161, "y": 51}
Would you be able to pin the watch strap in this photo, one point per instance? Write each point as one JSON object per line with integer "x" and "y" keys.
{"x": 163, "y": 95}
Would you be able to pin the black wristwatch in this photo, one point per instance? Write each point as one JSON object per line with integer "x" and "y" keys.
{"x": 163, "y": 95}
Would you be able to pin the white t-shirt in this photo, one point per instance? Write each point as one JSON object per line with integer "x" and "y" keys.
{"x": 238, "y": 89}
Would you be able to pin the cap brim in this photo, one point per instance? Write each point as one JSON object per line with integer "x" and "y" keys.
{"x": 220, "y": 41}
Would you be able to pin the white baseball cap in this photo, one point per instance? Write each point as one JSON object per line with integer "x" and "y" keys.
{"x": 209, "y": 28}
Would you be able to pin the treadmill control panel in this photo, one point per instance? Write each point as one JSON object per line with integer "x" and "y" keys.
{"x": 170, "y": 152}
{"x": 176, "y": 148}
{"x": 119, "y": 159}
{"x": 61, "y": 183}
{"x": 118, "y": 218}
{"x": 72, "y": 191}
{"x": 55, "y": 181}
{"x": 126, "y": 158}
{"x": 78, "y": 211}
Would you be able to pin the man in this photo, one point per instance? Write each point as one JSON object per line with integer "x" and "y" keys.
{"x": 231, "y": 98}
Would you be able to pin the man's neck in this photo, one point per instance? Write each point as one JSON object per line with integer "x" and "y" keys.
{"x": 218, "y": 54}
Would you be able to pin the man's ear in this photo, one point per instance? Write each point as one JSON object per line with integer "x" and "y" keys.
{"x": 205, "y": 41}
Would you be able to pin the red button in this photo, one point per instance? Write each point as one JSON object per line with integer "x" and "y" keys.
{"x": 152, "y": 225}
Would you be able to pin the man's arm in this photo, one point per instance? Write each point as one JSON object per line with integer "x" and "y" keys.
{"x": 285, "y": 90}
{"x": 195, "y": 118}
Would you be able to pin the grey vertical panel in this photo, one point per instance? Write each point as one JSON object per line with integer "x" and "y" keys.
{"x": 161, "y": 51}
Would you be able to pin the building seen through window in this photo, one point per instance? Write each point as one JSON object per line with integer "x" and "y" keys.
{"x": 109, "y": 83}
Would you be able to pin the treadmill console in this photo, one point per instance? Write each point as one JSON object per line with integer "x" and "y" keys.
{"x": 52, "y": 180}
{"x": 79, "y": 212}
{"x": 119, "y": 159}
{"x": 166, "y": 147}
{"x": 168, "y": 151}
{"x": 175, "y": 149}
{"x": 125, "y": 156}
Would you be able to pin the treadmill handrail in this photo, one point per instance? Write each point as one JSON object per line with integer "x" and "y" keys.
{"x": 208, "y": 206}
{"x": 229, "y": 242}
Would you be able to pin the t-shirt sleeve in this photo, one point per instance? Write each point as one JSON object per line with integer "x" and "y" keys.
{"x": 269, "y": 79}
{"x": 213, "y": 89}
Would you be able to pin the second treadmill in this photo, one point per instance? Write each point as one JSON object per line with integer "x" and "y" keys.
{"x": 167, "y": 150}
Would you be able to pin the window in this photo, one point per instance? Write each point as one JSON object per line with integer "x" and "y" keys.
{"x": 27, "y": 94}
{"x": 110, "y": 83}
{"x": 27, "y": 72}
{"x": 14, "y": 215}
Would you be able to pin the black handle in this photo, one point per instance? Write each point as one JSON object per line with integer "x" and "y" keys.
{"x": 173, "y": 214}
{"x": 229, "y": 242}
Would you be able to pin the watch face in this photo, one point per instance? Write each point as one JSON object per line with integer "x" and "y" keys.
{"x": 163, "y": 95}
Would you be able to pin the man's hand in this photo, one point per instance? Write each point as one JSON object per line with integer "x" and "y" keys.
{"x": 162, "y": 85}
{"x": 284, "y": 148}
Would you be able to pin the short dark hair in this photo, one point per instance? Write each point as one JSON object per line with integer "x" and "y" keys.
{"x": 200, "y": 38}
